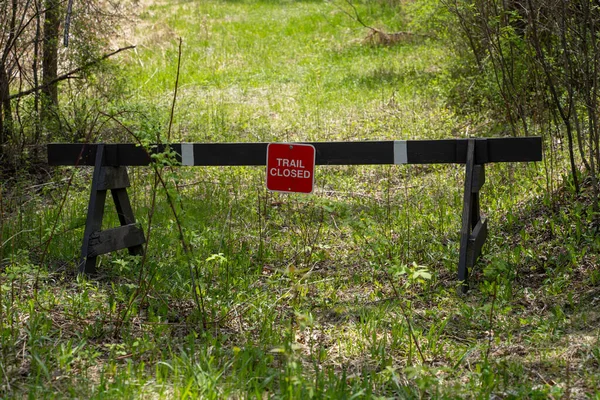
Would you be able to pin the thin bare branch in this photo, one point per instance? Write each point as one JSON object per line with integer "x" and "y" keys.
{"x": 175, "y": 92}
{"x": 68, "y": 75}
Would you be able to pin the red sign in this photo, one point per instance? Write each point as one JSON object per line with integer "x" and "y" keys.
{"x": 290, "y": 167}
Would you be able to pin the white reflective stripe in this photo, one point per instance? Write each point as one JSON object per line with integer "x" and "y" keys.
{"x": 187, "y": 154}
{"x": 400, "y": 152}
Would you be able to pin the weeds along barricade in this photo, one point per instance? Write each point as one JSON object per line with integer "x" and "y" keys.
{"x": 110, "y": 173}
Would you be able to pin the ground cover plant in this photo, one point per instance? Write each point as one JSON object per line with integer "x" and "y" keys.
{"x": 346, "y": 293}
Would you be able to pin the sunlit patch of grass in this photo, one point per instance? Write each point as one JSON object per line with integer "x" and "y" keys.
{"x": 273, "y": 71}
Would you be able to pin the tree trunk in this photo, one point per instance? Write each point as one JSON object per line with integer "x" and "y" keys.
{"x": 34, "y": 70}
{"x": 5, "y": 109}
{"x": 50, "y": 53}
{"x": 6, "y": 125}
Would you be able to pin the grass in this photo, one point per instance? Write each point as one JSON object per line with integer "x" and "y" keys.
{"x": 347, "y": 293}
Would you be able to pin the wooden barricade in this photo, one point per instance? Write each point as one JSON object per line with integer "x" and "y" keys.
{"x": 110, "y": 173}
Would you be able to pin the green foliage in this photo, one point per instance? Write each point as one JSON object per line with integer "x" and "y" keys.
{"x": 529, "y": 64}
{"x": 85, "y": 82}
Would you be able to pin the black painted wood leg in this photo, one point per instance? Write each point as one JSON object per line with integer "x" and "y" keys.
{"x": 474, "y": 228}
{"x": 127, "y": 236}
{"x": 126, "y": 217}
{"x": 93, "y": 223}
{"x": 467, "y": 216}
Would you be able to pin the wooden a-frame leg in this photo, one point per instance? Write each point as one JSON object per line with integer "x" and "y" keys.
{"x": 467, "y": 216}
{"x": 128, "y": 235}
{"x": 474, "y": 228}
{"x": 125, "y": 214}
{"x": 95, "y": 213}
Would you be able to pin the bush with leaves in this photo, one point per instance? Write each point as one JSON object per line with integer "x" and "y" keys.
{"x": 536, "y": 62}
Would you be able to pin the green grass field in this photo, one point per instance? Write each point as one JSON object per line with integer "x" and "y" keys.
{"x": 350, "y": 292}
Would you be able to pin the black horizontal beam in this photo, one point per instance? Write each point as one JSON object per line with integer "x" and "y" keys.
{"x": 327, "y": 153}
